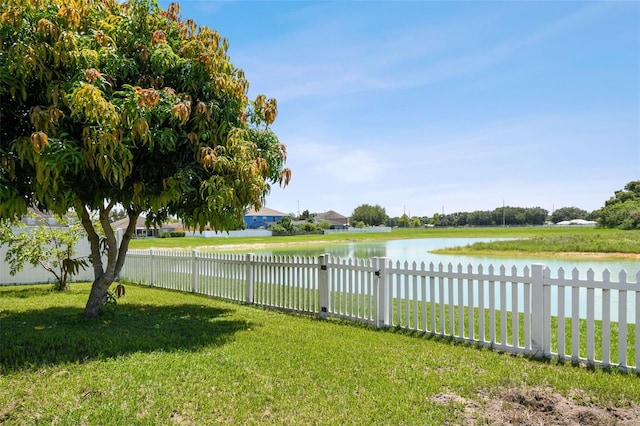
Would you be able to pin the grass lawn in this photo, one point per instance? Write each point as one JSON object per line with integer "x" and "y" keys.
{"x": 541, "y": 240}
{"x": 578, "y": 242}
{"x": 162, "y": 357}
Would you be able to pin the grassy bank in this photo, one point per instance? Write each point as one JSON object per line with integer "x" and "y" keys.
{"x": 395, "y": 234}
{"x": 164, "y": 357}
{"x": 552, "y": 241}
{"x": 606, "y": 243}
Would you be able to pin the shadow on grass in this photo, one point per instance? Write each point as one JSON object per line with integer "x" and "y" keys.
{"x": 36, "y": 338}
{"x": 24, "y": 293}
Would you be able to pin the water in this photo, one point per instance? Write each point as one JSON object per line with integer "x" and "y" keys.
{"x": 419, "y": 250}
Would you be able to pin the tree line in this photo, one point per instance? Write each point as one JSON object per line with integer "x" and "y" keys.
{"x": 620, "y": 211}
{"x": 376, "y": 215}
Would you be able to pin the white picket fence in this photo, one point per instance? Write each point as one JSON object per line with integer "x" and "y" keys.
{"x": 529, "y": 311}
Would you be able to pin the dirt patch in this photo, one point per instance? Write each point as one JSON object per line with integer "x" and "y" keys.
{"x": 537, "y": 407}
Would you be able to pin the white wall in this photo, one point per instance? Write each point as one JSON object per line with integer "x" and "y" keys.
{"x": 37, "y": 274}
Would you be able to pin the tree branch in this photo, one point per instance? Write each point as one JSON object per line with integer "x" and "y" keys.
{"x": 112, "y": 243}
{"x": 126, "y": 238}
{"x": 94, "y": 240}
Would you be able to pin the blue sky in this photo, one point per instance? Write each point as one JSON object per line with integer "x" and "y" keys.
{"x": 425, "y": 106}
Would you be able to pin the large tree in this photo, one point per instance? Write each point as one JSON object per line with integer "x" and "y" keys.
{"x": 106, "y": 103}
{"x": 370, "y": 215}
{"x": 623, "y": 209}
{"x": 568, "y": 213}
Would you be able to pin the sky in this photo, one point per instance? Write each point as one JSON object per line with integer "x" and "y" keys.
{"x": 426, "y": 107}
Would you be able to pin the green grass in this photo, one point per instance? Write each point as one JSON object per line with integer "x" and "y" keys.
{"x": 585, "y": 240}
{"x": 194, "y": 242}
{"x": 404, "y": 310}
{"x": 528, "y": 240}
{"x": 162, "y": 357}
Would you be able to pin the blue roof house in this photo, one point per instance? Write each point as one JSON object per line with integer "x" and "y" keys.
{"x": 262, "y": 218}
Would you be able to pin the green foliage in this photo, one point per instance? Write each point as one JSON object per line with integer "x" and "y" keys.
{"x": 623, "y": 209}
{"x": 171, "y": 234}
{"x": 286, "y": 224}
{"x": 286, "y": 228}
{"x": 305, "y": 215}
{"x": 325, "y": 224}
{"x": 588, "y": 241}
{"x": 51, "y": 247}
{"x": 568, "y": 213}
{"x": 404, "y": 221}
{"x": 123, "y": 103}
{"x": 370, "y": 215}
{"x": 308, "y": 227}
{"x": 506, "y": 215}
{"x": 278, "y": 229}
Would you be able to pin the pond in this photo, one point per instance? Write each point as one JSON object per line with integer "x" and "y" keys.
{"x": 419, "y": 250}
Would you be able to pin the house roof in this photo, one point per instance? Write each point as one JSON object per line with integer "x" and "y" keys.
{"x": 124, "y": 223}
{"x": 330, "y": 215}
{"x": 264, "y": 211}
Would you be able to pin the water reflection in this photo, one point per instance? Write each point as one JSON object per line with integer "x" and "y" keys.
{"x": 419, "y": 250}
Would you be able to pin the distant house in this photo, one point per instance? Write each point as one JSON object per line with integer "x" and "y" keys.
{"x": 262, "y": 218}
{"x": 336, "y": 220}
{"x": 142, "y": 230}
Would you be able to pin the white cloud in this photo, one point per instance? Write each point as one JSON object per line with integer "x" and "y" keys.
{"x": 337, "y": 164}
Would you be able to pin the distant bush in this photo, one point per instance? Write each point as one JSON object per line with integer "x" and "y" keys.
{"x": 325, "y": 224}
{"x": 282, "y": 233}
{"x": 308, "y": 227}
{"x": 285, "y": 228}
{"x": 172, "y": 234}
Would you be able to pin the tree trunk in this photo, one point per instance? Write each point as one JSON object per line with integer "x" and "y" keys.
{"x": 97, "y": 297}
{"x": 104, "y": 277}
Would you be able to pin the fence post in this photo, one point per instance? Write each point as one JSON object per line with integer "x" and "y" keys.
{"x": 382, "y": 302}
{"x": 249, "y": 274}
{"x": 537, "y": 311}
{"x": 323, "y": 285}
{"x": 195, "y": 271}
{"x": 152, "y": 261}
